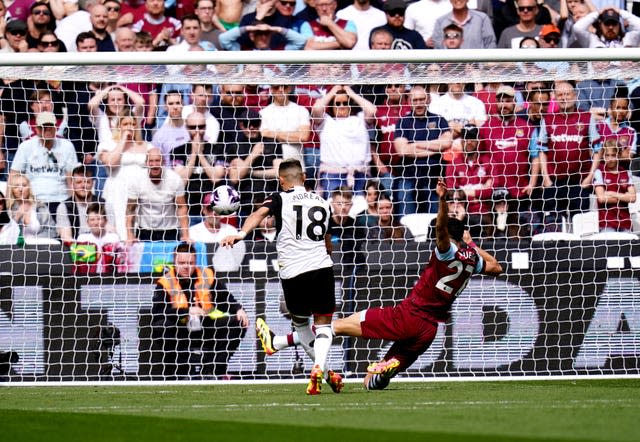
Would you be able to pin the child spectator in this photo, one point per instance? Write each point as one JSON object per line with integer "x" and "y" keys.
{"x": 107, "y": 244}
{"x": 614, "y": 190}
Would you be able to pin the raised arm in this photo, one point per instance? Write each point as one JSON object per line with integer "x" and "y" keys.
{"x": 368, "y": 107}
{"x": 443, "y": 241}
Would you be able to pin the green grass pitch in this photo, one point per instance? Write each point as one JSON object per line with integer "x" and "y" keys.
{"x": 581, "y": 410}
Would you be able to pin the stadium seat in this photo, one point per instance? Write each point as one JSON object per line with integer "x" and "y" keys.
{"x": 555, "y": 236}
{"x": 418, "y": 224}
{"x": 585, "y": 224}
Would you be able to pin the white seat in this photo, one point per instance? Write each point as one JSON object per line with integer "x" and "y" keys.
{"x": 418, "y": 224}
{"x": 555, "y": 236}
{"x": 586, "y": 223}
{"x": 613, "y": 236}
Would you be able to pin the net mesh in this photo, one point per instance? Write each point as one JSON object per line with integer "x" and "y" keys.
{"x": 76, "y": 307}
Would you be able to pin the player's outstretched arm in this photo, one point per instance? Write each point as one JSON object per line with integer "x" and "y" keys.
{"x": 443, "y": 241}
{"x": 251, "y": 223}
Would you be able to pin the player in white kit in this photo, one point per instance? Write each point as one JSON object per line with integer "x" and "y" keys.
{"x": 306, "y": 269}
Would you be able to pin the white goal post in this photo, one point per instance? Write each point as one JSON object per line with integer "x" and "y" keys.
{"x": 568, "y": 303}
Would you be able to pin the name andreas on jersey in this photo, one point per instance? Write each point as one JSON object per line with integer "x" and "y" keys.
{"x": 302, "y": 221}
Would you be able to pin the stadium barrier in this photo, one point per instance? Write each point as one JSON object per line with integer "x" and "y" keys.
{"x": 557, "y": 310}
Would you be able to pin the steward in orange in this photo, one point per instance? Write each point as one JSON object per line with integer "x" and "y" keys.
{"x": 194, "y": 314}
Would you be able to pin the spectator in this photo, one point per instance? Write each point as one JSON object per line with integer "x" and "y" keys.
{"x": 48, "y": 42}
{"x": 615, "y": 190}
{"x": 205, "y": 10}
{"x": 125, "y": 40}
{"x": 229, "y": 111}
{"x": 609, "y": 31}
{"x": 227, "y": 14}
{"x": 40, "y": 101}
{"x": 71, "y": 215}
{"x": 529, "y": 43}
{"x": 366, "y": 18}
{"x": 369, "y": 216}
{"x": 384, "y": 156}
{"x": 344, "y": 141}
{"x": 471, "y": 175}
{"x": 73, "y": 24}
{"x": 262, "y": 38}
{"x": 107, "y": 244}
{"x": 9, "y": 229}
{"x": 422, "y": 15}
{"x": 124, "y": 157}
{"x": 99, "y": 22}
{"x": 191, "y": 307}
{"x": 526, "y": 26}
{"x": 198, "y": 162}
{"x": 16, "y": 10}
{"x": 190, "y": 41}
{"x": 476, "y": 26}
{"x": 459, "y": 108}
{"x": 47, "y": 162}
{"x": 452, "y": 37}
{"x": 508, "y": 15}
{"x": 595, "y": 94}
{"x": 570, "y": 12}
{"x": 278, "y": 13}
{"x": 143, "y": 42}
{"x": 328, "y": 31}
{"x": 507, "y": 144}
{"x": 13, "y": 39}
{"x": 32, "y": 216}
{"x": 617, "y": 126}
{"x": 110, "y": 104}
{"x": 380, "y": 39}
{"x": 200, "y": 101}
{"x": 387, "y": 227}
{"x": 113, "y": 15}
{"x": 403, "y": 38}
{"x": 86, "y": 42}
{"x": 286, "y": 122}
{"x": 40, "y": 21}
{"x": 420, "y": 138}
{"x": 345, "y": 234}
{"x": 164, "y": 30}
{"x": 157, "y": 204}
{"x": 565, "y": 141}
{"x": 212, "y": 230}
{"x": 173, "y": 132}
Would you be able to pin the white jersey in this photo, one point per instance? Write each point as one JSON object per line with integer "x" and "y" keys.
{"x": 302, "y": 221}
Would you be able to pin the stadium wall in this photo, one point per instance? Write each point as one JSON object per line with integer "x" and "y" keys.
{"x": 558, "y": 310}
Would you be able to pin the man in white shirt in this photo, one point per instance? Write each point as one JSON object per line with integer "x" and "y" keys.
{"x": 47, "y": 161}
{"x": 212, "y": 230}
{"x": 459, "y": 108}
{"x": 189, "y": 41}
{"x": 173, "y": 131}
{"x": 366, "y": 17}
{"x": 422, "y": 15}
{"x": 286, "y": 122}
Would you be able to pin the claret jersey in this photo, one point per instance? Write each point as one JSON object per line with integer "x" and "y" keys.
{"x": 302, "y": 221}
{"x": 444, "y": 278}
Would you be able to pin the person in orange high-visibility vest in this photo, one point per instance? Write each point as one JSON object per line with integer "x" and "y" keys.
{"x": 193, "y": 313}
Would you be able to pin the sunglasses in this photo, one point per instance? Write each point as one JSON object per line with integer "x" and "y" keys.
{"x": 452, "y": 35}
{"x": 396, "y": 13}
{"x": 196, "y": 126}
{"x": 341, "y": 103}
{"x": 555, "y": 40}
{"x": 394, "y": 86}
{"x": 113, "y": 8}
{"x": 234, "y": 92}
{"x": 41, "y": 12}
{"x": 49, "y": 44}
{"x": 18, "y": 33}
{"x": 526, "y": 8}
{"x": 291, "y": 4}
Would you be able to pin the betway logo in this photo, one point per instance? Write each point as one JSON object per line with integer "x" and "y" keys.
{"x": 506, "y": 143}
{"x": 565, "y": 138}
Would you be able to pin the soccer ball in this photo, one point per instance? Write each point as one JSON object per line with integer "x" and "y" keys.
{"x": 225, "y": 200}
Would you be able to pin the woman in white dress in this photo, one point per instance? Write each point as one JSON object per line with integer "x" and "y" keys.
{"x": 124, "y": 157}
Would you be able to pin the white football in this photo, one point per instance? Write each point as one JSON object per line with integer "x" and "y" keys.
{"x": 225, "y": 200}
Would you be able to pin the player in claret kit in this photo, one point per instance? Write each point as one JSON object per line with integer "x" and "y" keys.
{"x": 413, "y": 323}
{"x": 306, "y": 269}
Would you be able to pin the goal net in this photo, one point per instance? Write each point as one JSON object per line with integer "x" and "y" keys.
{"x": 537, "y": 149}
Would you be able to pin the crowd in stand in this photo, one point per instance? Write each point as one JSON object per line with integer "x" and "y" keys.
{"x": 128, "y": 162}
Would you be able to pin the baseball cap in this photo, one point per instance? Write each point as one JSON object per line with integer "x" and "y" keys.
{"x": 15, "y": 26}
{"x": 390, "y": 5}
{"x": 44, "y": 118}
{"x": 549, "y": 29}
{"x": 469, "y": 132}
{"x": 609, "y": 15}
{"x": 506, "y": 90}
